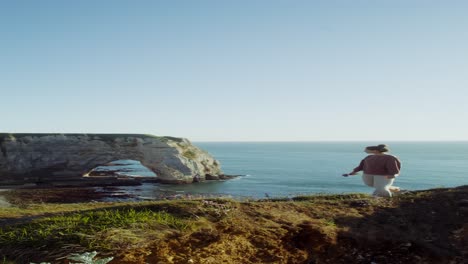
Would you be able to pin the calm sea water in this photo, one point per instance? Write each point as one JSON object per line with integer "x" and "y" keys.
{"x": 290, "y": 169}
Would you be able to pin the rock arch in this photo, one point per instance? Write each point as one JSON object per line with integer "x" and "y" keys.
{"x": 122, "y": 168}
{"x": 68, "y": 156}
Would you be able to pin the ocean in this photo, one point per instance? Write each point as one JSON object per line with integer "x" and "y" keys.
{"x": 286, "y": 169}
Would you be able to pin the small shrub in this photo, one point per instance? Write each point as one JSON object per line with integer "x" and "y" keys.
{"x": 216, "y": 209}
{"x": 189, "y": 154}
{"x": 85, "y": 258}
{"x": 88, "y": 258}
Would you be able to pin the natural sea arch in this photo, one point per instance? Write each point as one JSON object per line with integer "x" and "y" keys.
{"x": 121, "y": 168}
{"x": 49, "y": 157}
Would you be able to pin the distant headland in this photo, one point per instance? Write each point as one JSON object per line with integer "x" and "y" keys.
{"x": 45, "y": 157}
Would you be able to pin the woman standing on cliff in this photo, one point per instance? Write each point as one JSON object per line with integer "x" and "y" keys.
{"x": 380, "y": 170}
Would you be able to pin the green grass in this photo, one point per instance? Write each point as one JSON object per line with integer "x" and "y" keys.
{"x": 189, "y": 154}
{"x": 83, "y": 228}
{"x": 331, "y": 197}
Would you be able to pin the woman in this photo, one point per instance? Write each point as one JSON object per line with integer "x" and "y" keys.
{"x": 380, "y": 170}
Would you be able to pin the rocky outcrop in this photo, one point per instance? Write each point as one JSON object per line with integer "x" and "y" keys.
{"x": 42, "y": 157}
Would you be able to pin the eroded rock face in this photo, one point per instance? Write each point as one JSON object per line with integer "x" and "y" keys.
{"x": 64, "y": 156}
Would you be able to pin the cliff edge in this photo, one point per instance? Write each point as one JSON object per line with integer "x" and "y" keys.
{"x": 417, "y": 227}
{"x": 45, "y": 157}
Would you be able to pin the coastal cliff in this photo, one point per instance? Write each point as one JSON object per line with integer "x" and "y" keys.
{"x": 45, "y": 157}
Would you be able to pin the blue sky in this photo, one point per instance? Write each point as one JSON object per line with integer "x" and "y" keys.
{"x": 237, "y": 70}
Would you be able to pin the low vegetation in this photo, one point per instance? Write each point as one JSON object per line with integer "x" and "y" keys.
{"x": 189, "y": 154}
{"x": 415, "y": 227}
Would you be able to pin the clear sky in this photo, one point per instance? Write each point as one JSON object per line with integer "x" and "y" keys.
{"x": 244, "y": 70}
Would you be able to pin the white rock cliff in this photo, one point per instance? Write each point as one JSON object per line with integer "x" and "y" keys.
{"x": 26, "y": 157}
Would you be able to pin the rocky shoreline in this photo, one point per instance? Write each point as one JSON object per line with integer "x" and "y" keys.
{"x": 104, "y": 181}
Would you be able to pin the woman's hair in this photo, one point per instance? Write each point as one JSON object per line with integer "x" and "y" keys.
{"x": 379, "y": 148}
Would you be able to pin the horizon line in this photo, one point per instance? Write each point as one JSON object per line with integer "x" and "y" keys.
{"x": 338, "y": 140}
{"x": 249, "y": 141}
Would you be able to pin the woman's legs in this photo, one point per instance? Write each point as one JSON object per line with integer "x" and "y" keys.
{"x": 368, "y": 179}
{"x": 382, "y": 186}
